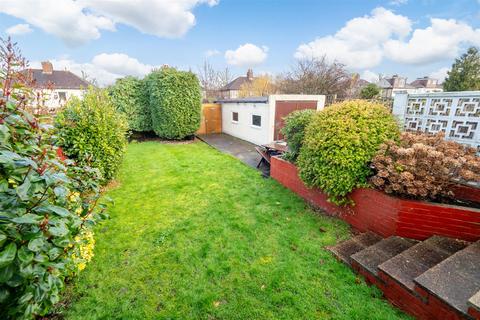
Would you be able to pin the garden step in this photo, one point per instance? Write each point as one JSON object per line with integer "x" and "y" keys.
{"x": 370, "y": 258}
{"x": 474, "y": 306}
{"x": 345, "y": 249}
{"x": 454, "y": 280}
{"x": 414, "y": 261}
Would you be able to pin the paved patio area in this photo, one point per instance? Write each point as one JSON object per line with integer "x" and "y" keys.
{"x": 241, "y": 149}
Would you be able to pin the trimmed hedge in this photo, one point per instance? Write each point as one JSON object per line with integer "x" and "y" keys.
{"x": 92, "y": 132}
{"x": 339, "y": 143}
{"x": 175, "y": 102}
{"x": 294, "y": 131}
{"x": 130, "y": 97}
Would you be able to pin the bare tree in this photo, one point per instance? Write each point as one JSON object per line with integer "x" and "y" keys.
{"x": 212, "y": 80}
{"x": 225, "y": 77}
{"x": 86, "y": 77}
{"x": 316, "y": 76}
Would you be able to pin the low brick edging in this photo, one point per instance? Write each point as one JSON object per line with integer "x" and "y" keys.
{"x": 387, "y": 215}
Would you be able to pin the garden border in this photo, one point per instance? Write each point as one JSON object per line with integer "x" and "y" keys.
{"x": 387, "y": 215}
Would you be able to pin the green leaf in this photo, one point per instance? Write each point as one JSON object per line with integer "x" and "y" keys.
{"x": 22, "y": 190}
{"x": 6, "y": 273}
{"x": 3, "y": 238}
{"x": 24, "y": 255}
{"x": 28, "y": 219}
{"x": 8, "y": 254}
{"x": 50, "y": 208}
{"x": 58, "y": 231}
{"x": 4, "y": 294}
{"x": 4, "y": 134}
{"x": 36, "y": 244}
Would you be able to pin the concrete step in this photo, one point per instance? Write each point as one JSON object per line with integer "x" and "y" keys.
{"x": 414, "y": 261}
{"x": 454, "y": 280}
{"x": 371, "y": 257}
{"x": 345, "y": 249}
{"x": 474, "y": 306}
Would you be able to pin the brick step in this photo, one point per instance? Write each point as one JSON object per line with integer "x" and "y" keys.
{"x": 474, "y": 306}
{"x": 411, "y": 263}
{"x": 366, "y": 262}
{"x": 450, "y": 284}
{"x": 345, "y": 249}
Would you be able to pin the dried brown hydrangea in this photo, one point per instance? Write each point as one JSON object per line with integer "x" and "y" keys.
{"x": 424, "y": 166}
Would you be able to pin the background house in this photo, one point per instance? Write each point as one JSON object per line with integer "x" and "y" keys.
{"x": 260, "y": 119}
{"x": 232, "y": 89}
{"x": 396, "y": 84}
{"x": 53, "y": 88}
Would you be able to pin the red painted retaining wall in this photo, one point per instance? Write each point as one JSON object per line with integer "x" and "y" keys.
{"x": 386, "y": 215}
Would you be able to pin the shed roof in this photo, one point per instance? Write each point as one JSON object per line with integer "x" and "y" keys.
{"x": 244, "y": 100}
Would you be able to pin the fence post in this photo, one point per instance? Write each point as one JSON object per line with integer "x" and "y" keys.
{"x": 400, "y": 103}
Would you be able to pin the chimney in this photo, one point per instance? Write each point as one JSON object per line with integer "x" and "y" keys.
{"x": 250, "y": 74}
{"x": 47, "y": 67}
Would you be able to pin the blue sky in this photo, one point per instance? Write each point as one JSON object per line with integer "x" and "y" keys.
{"x": 108, "y": 39}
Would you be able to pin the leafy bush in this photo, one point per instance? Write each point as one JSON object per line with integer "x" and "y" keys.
{"x": 130, "y": 97}
{"x": 175, "y": 102}
{"x": 424, "y": 166}
{"x": 339, "y": 143}
{"x": 92, "y": 132}
{"x": 47, "y": 206}
{"x": 370, "y": 91}
{"x": 294, "y": 131}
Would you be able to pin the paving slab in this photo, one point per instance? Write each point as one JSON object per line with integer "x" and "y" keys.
{"x": 456, "y": 279}
{"x": 241, "y": 149}
{"x": 344, "y": 250}
{"x": 370, "y": 258}
{"x": 414, "y": 261}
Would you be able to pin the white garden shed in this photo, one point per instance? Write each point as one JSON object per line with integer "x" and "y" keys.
{"x": 260, "y": 119}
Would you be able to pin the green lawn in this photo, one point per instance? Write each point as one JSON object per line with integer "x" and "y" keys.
{"x": 196, "y": 234}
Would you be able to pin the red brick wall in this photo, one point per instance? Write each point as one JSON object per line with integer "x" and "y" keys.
{"x": 386, "y": 215}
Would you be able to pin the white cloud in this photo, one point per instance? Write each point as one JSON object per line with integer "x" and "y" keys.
{"x": 440, "y": 74}
{"x": 370, "y": 76}
{"x": 104, "y": 67}
{"x": 211, "y": 53}
{"x": 77, "y": 22}
{"x": 442, "y": 39}
{"x": 359, "y": 43}
{"x": 120, "y": 63}
{"x": 247, "y": 55}
{"x": 399, "y": 2}
{"x": 19, "y": 29}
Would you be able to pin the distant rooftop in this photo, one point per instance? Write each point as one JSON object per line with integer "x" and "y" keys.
{"x": 56, "y": 79}
{"x": 237, "y": 83}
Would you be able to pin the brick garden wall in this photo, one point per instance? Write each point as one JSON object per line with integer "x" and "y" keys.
{"x": 386, "y": 215}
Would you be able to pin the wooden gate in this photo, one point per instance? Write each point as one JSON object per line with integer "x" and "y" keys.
{"x": 211, "y": 121}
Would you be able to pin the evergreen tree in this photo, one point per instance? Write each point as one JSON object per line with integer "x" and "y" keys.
{"x": 465, "y": 73}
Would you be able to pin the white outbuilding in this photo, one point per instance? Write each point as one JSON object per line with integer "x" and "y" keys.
{"x": 260, "y": 119}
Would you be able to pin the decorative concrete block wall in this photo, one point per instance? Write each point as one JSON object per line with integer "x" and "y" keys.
{"x": 457, "y": 114}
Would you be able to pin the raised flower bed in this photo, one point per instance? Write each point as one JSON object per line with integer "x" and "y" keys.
{"x": 386, "y": 215}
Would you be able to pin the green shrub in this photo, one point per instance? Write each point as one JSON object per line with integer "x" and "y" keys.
{"x": 47, "y": 208}
{"x": 92, "y": 132}
{"x": 370, "y": 91}
{"x": 294, "y": 131}
{"x": 339, "y": 143}
{"x": 130, "y": 97}
{"x": 175, "y": 102}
